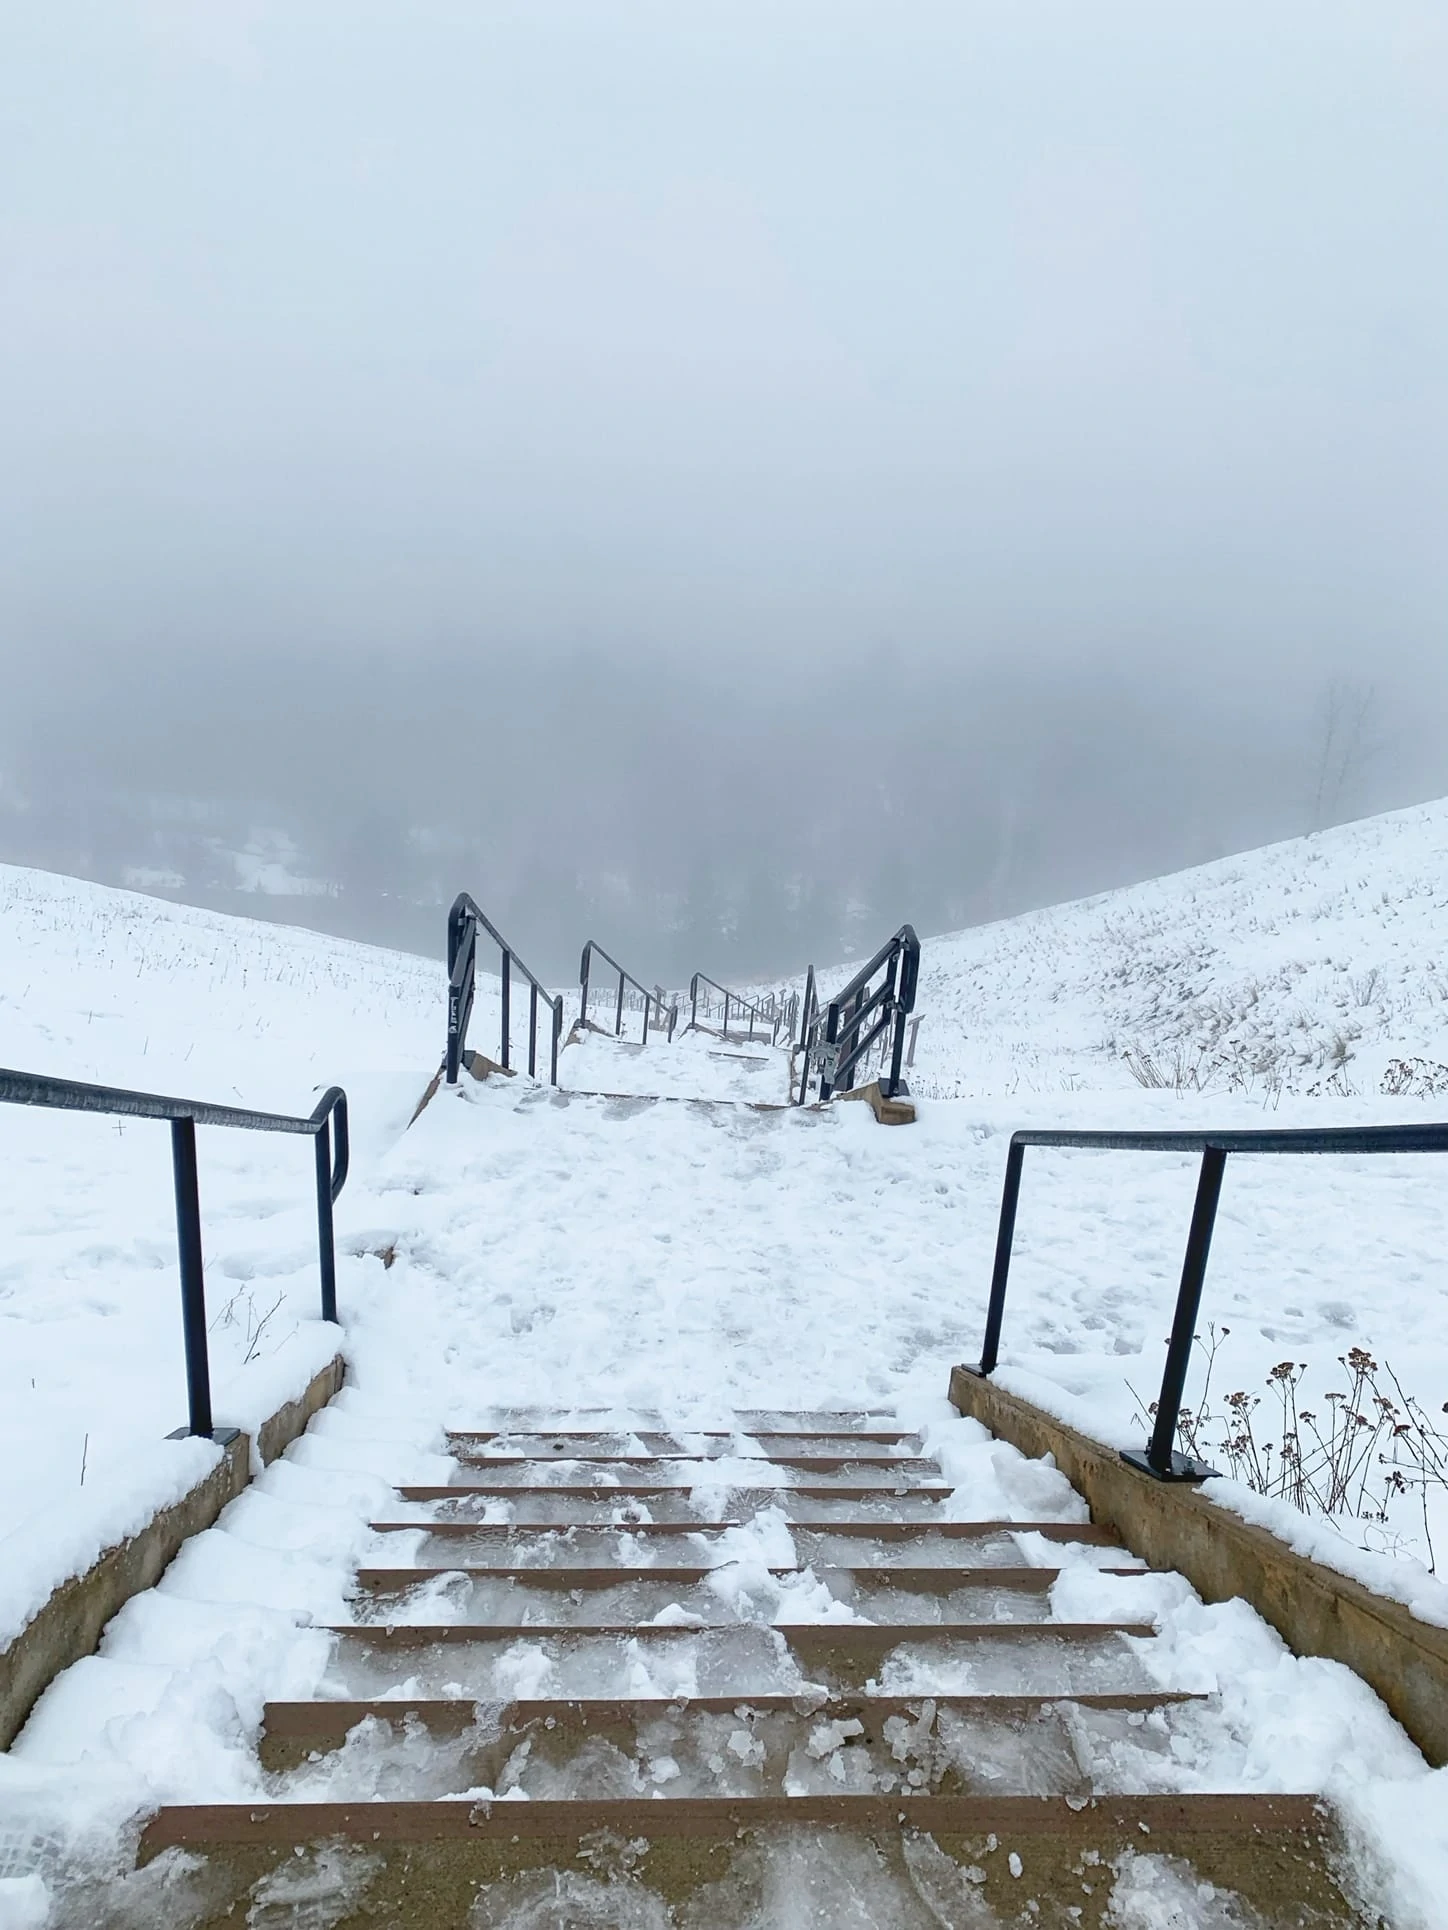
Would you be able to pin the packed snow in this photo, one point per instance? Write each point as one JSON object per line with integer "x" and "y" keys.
{"x": 607, "y": 1245}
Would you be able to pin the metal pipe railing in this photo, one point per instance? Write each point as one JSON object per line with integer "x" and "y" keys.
{"x": 648, "y": 1002}
{"x": 463, "y": 922}
{"x": 326, "y": 1123}
{"x": 770, "y": 1010}
{"x": 1160, "y": 1457}
{"x": 835, "y": 1040}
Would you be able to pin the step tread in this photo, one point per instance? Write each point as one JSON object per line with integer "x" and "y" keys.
{"x": 883, "y": 1436}
{"x": 876, "y": 1491}
{"x": 871, "y": 1637}
{"x": 935, "y": 1579}
{"x": 1085, "y": 1534}
{"x": 326, "y": 1715}
{"x": 808, "y": 1463}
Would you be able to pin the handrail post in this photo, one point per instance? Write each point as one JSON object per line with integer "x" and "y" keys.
{"x": 507, "y": 1007}
{"x": 726, "y": 1017}
{"x": 618, "y": 1014}
{"x": 990, "y": 1350}
{"x": 532, "y": 1031}
{"x": 898, "y": 1052}
{"x": 454, "y": 1032}
{"x": 583, "y": 981}
{"x": 694, "y": 999}
{"x": 326, "y": 1238}
{"x": 193, "y": 1276}
{"x": 557, "y": 1034}
{"x": 1161, "y": 1457}
{"x": 832, "y": 1034}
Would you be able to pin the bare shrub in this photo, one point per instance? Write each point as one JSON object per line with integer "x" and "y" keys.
{"x": 1364, "y": 986}
{"x": 1348, "y": 1459}
{"x": 1415, "y": 1079}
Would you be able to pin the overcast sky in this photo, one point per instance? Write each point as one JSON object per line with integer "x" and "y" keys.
{"x": 435, "y": 336}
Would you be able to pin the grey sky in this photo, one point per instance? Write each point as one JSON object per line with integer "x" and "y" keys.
{"x": 1044, "y": 334}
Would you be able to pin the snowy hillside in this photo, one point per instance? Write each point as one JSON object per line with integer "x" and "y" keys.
{"x": 110, "y": 986}
{"x": 597, "y": 1248}
{"x": 1306, "y": 967}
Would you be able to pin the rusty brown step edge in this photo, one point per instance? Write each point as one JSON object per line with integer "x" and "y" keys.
{"x": 897, "y": 1464}
{"x": 875, "y": 1436}
{"x": 1173, "y": 1524}
{"x": 922, "y": 1581}
{"x": 863, "y": 1641}
{"x": 632, "y": 1490}
{"x": 422, "y": 1863}
{"x": 69, "y": 1624}
{"x": 293, "y": 1730}
{"x": 1085, "y": 1533}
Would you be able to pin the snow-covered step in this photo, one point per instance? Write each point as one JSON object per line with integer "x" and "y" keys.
{"x": 812, "y": 1455}
{"x": 853, "y": 1481}
{"x": 894, "y": 1859}
{"x": 844, "y": 1421}
{"x": 763, "y": 1445}
{"x": 495, "y": 1662}
{"x": 685, "y": 1509}
{"x": 582, "y": 1598}
{"x": 721, "y": 1746}
{"x": 835, "y": 1544}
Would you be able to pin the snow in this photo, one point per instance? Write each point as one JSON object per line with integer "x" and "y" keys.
{"x": 525, "y": 1249}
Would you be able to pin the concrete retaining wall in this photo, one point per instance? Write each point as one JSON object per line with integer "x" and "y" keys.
{"x": 69, "y": 1625}
{"x": 1173, "y": 1525}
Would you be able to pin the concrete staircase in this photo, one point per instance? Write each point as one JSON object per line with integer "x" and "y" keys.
{"x": 737, "y": 1679}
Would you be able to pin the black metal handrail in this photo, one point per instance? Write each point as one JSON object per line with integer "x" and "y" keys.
{"x": 836, "y": 1039}
{"x": 771, "y": 1011}
{"x": 462, "y": 945}
{"x": 1160, "y": 1457}
{"x": 646, "y": 1001}
{"x": 327, "y": 1124}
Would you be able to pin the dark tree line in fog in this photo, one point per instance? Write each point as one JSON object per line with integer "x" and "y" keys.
{"x": 741, "y": 826}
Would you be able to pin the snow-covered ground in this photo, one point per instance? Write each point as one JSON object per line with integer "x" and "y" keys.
{"x": 520, "y": 1247}
{"x": 1304, "y": 968}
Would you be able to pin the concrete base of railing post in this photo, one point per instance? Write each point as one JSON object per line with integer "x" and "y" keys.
{"x": 899, "y": 1111}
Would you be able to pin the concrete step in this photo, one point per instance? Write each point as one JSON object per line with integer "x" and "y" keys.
{"x": 770, "y": 1484}
{"x": 907, "y": 1860}
{"x": 995, "y": 1538}
{"x": 591, "y": 1442}
{"x": 483, "y": 1660}
{"x": 685, "y": 1745}
{"x": 843, "y": 1583}
{"x": 680, "y": 1463}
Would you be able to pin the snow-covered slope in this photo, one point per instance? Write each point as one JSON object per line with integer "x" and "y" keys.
{"x": 1305, "y": 967}
{"x": 517, "y": 1247}
{"x": 129, "y": 991}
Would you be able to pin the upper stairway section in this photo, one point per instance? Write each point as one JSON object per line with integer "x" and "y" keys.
{"x": 778, "y": 1046}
